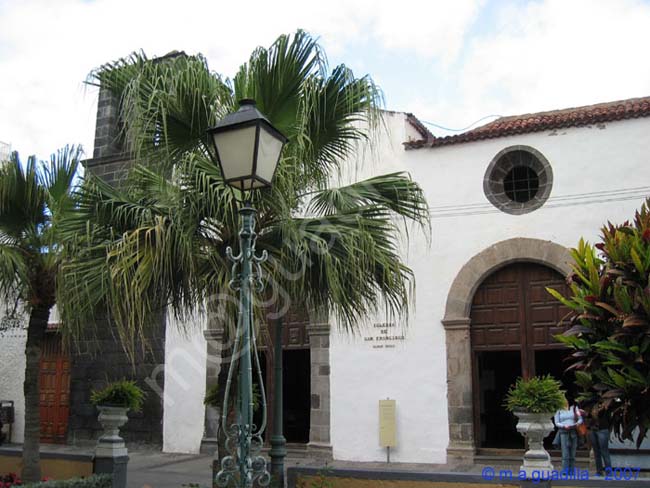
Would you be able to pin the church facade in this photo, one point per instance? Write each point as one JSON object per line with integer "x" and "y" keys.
{"x": 508, "y": 200}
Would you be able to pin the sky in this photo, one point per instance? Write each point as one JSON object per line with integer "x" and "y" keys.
{"x": 450, "y": 63}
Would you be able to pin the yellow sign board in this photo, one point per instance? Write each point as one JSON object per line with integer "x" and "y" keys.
{"x": 387, "y": 423}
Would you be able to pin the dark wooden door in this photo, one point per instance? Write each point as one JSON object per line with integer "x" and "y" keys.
{"x": 54, "y": 390}
{"x": 513, "y": 321}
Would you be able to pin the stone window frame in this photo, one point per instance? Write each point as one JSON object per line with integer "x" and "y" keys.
{"x": 498, "y": 169}
{"x": 456, "y": 322}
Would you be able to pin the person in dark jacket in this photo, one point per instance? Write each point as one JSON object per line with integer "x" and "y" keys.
{"x": 599, "y": 432}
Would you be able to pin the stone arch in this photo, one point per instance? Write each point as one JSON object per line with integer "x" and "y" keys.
{"x": 457, "y": 326}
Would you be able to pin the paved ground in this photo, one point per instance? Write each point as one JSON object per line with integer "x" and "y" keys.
{"x": 149, "y": 468}
{"x": 153, "y": 469}
{"x": 160, "y": 470}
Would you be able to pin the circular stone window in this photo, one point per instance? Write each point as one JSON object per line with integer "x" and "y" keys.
{"x": 518, "y": 180}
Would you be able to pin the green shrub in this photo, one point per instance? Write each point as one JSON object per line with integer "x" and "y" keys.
{"x": 212, "y": 396}
{"x": 94, "y": 481}
{"x": 535, "y": 395}
{"x": 123, "y": 393}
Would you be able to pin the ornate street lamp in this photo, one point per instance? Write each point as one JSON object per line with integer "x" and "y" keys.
{"x": 247, "y": 149}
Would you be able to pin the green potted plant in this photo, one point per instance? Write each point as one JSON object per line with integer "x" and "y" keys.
{"x": 534, "y": 401}
{"x": 113, "y": 403}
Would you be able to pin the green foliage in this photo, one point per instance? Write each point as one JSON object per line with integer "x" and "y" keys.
{"x": 34, "y": 198}
{"x": 124, "y": 393}
{"x": 213, "y": 399}
{"x": 94, "y": 481}
{"x": 535, "y": 395}
{"x": 610, "y": 318}
{"x": 212, "y": 396}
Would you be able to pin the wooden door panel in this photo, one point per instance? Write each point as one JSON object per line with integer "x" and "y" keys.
{"x": 54, "y": 390}
{"x": 544, "y": 312}
{"x": 512, "y": 311}
{"x": 513, "y": 297}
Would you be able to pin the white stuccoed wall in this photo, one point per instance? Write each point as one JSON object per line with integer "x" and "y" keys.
{"x": 12, "y": 376}
{"x": 589, "y": 159}
{"x": 12, "y": 370}
{"x": 184, "y": 390}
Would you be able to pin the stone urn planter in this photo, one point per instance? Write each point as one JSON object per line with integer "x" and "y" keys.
{"x": 534, "y": 427}
{"x": 534, "y": 401}
{"x": 110, "y": 444}
{"x": 113, "y": 401}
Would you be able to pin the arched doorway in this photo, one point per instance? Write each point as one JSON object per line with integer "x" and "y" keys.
{"x": 512, "y": 323}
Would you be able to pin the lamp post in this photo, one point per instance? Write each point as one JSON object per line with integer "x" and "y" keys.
{"x": 247, "y": 149}
{"x": 278, "y": 442}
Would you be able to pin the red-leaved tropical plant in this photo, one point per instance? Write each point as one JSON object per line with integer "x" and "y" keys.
{"x": 610, "y": 335}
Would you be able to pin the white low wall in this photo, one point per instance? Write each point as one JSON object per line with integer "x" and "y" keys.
{"x": 184, "y": 390}
{"x": 12, "y": 376}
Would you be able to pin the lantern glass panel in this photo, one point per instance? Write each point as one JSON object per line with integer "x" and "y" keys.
{"x": 236, "y": 149}
{"x": 268, "y": 154}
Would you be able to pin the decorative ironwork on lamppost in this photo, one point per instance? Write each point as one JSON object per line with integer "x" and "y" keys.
{"x": 247, "y": 149}
{"x": 278, "y": 442}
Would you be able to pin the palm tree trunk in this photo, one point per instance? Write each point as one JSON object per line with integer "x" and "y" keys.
{"x": 31, "y": 447}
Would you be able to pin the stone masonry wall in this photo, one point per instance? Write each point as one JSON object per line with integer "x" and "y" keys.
{"x": 100, "y": 357}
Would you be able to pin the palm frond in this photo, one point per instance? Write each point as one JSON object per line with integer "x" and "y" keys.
{"x": 343, "y": 262}
{"x": 337, "y": 113}
{"x": 166, "y": 104}
{"x": 58, "y": 180}
{"x": 22, "y": 198}
{"x": 275, "y": 78}
{"x": 396, "y": 192}
{"x": 160, "y": 239}
{"x": 14, "y": 270}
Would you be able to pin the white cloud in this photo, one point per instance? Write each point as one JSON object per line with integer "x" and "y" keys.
{"x": 549, "y": 55}
{"x": 47, "y": 48}
{"x": 535, "y": 56}
{"x": 428, "y": 29}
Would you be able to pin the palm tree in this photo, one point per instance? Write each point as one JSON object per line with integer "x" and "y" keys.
{"x": 159, "y": 240}
{"x": 34, "y": 198}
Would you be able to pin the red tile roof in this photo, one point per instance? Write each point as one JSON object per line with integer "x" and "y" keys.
{"x": 419, "y": 127}
{"x": 555, "y": 119}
